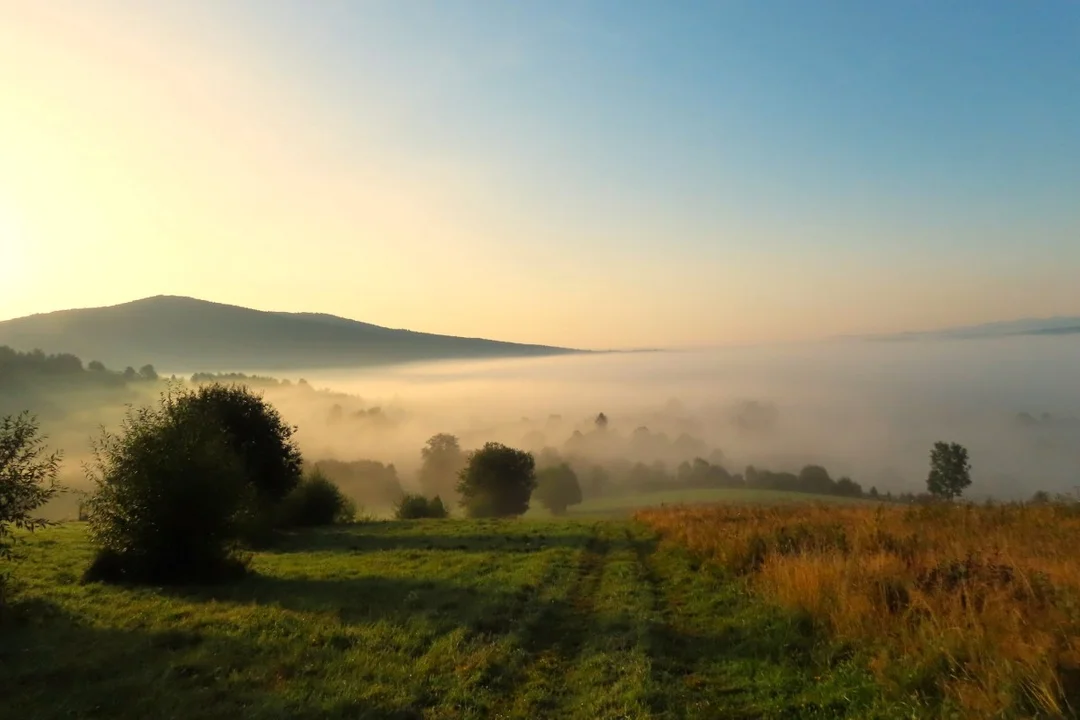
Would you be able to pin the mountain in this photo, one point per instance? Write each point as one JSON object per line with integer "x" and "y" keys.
{"x": 1007, "y": 328}
{"x": 181, "y": 334}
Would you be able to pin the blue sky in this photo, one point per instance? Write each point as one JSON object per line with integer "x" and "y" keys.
{"x": 599, "y": 173}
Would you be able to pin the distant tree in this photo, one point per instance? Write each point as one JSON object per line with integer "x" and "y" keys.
{"x": 95, "y": 366}
{"x": 316, "y": 501}
{"x": 950, "y": 471}
{"x": 147, "y": 372}
{"x": 557, "y": 488}
{"x": 442, "y": 460}
{"x": 599, "y": 481}
{"x": 873, "y": 492}
{"x": 417, "y": 507}
{"x": 815, "y": 479}
{"x": 1041, "y": 497}
{"x": 848, "y": 488}
{"x": 601, "y": 422}
{"x": 130, "y": 374}
{"x": 27, "y": 476}
{"x": 497, "y": 481}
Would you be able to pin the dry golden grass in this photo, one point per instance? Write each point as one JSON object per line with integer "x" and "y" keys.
{"x": 975, "y": 606}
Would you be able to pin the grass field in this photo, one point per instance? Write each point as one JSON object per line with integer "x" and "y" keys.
{"x": 627, "y": 504}
{"x": 422, "y": 619}
{"x": 971, "y": 607}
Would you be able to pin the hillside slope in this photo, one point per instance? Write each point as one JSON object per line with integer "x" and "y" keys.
{"x": 184, "y": 334}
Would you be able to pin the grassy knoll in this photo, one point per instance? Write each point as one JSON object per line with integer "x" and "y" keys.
{"x": 421, "y": 619}
{"x": 973, "y": 608}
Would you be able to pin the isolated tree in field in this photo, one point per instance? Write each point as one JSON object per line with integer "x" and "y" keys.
{"x": 442, "y": 460}
{"x": 950, "y": 471}
{"x": 130, "y": 374}
{"x": 27, "y": 476}
{"x": 497, "y": 481}
{"x": 557, "y": 488}
{"x": 601, "y": 421}
{"x": 147, "y": 372}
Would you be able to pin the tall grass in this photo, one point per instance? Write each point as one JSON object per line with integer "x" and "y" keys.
{"x": 971, "y": 606}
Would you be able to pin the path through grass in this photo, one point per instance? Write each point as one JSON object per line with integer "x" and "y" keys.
{"x": 422, "y": 619}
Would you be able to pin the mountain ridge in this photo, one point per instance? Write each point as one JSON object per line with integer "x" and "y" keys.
{"x": 179, "y": 333}
{"x": 1056, "y": 325}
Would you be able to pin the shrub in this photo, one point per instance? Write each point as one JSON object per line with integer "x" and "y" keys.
{"x": 27, "y": 480}
{"x": 316, "y": 501}
{"x": 27, "y": 476}
{"x": 557, "y": 488}
{"x": 497, "y": 481}
{"x": 169, "y": 494}
{"x": 415, "y": 507}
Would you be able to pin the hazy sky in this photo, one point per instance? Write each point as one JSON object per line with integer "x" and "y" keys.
{"x": 596, "y": 174}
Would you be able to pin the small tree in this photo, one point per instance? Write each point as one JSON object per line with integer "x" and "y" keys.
{"x": 497, "y": 481}
{"x": 27, "y": 476}
{"x": 601, "y": 422}
{"x": 950, "y": 471}
{"x": 442, "y": 461}
{"x": 95, "y": 366}
{"x": 557, "y": 488}
{"x": 147, "y": 372}
{"x": 316, "y": 501}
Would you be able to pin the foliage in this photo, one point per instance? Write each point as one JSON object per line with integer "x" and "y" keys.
{"x": 950, "y": 471}
{"x": 972, "y": 605}
{"x": 169, "y": 494}
{"x": 256, "y": 432}
{"x": 497, "y": 481}
{"x": 415, "y": 507}
{"x": 557, "y": 488}
{"x": 442, "y": 460}
{"x": 27, "y": 476}
{"x": 316, "y": 501}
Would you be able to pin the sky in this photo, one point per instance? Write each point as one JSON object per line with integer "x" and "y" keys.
{"x": 608, "y": 173}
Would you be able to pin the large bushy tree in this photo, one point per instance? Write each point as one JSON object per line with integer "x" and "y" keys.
{"x": 169, "y": 495}
{"x": 497, "y": 481}
{"x": 182, "y": 483}
{"x": 257, "y": 433}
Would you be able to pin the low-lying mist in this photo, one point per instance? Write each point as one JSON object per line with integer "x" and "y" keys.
{"x": 868, "y": 410}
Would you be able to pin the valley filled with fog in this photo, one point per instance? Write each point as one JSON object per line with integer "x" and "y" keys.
{"x": 867, "y": 410}
{"x": 870, "y": 410}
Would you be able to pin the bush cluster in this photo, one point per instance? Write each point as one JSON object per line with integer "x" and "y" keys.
{"x": 415, "y": 507}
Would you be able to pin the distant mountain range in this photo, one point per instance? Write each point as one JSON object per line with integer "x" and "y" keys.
{"x": 181, "y": 334}
{"x": 1008, "y": 328}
